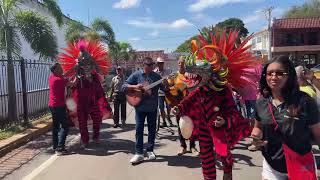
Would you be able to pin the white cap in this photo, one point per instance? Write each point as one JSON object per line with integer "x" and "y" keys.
{"x": 160, "y": 60}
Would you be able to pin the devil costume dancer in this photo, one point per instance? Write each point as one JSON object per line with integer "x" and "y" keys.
{"x": 87, "y": 61}
{"x": 222, "y": 65}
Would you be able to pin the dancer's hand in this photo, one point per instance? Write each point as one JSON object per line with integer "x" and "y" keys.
{"x": 219, "y": 121}
{"x": 175, "y": 110}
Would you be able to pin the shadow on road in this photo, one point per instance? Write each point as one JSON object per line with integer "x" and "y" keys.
{"x": 183, "y": 161}
{"x": 244, "y": 159}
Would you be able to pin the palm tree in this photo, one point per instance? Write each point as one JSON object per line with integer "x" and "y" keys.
{"x": 100, "y": 30}
{"x": 34, "y": 28}
{"x": 122, "y": 51}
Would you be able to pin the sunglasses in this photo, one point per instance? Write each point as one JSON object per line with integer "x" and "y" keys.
{"x": 277, "y": 73}
{"x": 148, "y": 64}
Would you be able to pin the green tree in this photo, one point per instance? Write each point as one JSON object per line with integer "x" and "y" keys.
{"x": 122, "y": 51}
{"x": 186, "y": 45}
{"x": 231, "y": 23}
{"x": 99, "y": 30}
{"x": 34, "y": 28}
{"x": 310, "y": 8}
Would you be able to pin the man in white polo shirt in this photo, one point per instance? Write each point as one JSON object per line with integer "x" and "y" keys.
{"x": 163, "y": 72}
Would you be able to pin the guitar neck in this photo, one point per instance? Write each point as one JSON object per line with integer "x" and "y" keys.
{"x": 152, "y": 85}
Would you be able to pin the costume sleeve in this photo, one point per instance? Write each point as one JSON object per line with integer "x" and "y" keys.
{"x": 187, "y": 105}
{"x": 190, "y": 106}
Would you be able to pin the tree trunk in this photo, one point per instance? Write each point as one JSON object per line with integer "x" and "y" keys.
{"x": 12, "y": 103}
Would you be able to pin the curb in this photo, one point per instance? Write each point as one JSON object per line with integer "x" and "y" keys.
{"x": 22, "y": 138}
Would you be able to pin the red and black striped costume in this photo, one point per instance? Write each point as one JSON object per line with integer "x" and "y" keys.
{"x": 203, "y": 105}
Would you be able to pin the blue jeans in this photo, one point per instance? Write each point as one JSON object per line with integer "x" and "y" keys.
{"x": 151, "y": 121}
{"x": 59, "y": 125}
{"x": 161, "y": 102}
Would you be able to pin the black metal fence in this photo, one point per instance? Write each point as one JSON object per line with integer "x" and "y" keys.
{"x": 32, "y": 92}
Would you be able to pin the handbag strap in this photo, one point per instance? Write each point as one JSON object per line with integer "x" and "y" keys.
{"x": 273, "y": 117}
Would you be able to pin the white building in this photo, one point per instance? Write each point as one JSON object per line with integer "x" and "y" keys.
{"x": 36, "y": 6}
{"x": 260, "y": 43}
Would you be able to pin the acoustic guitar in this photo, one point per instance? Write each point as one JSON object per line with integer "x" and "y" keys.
{"x": 135, "y": 96}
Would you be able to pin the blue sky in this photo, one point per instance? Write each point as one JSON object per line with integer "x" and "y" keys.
{"x": 164, "y": 24}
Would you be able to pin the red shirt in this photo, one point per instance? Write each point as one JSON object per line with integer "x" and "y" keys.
{"x": 57, "y": 86}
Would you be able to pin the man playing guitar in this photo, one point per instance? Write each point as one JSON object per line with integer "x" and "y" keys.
{"x": 146, "y": 106}
{"x": 178, "y": 90}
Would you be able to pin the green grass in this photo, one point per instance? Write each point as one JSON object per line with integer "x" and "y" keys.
{"x": 4, "y": 134}
{"x": 15, "y": 129}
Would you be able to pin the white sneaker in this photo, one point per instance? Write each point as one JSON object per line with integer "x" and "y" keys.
{"x": 151, "y": 155}
{"x": 137, "y": 158}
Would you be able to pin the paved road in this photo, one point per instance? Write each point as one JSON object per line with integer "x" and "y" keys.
{"x": 110, "y": 160}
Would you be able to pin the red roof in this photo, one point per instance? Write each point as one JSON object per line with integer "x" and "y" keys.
{"x": 297, "y": 23}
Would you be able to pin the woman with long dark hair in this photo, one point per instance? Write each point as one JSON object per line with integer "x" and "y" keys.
{"x": 286, "y": 121}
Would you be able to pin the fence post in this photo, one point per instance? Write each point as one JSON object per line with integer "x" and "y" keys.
{"x": 24, "y": 93}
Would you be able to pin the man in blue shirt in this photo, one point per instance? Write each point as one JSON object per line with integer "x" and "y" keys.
{"x": 147, "y": 108}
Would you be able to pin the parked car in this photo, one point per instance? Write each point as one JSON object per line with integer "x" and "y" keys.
{"x": 316, "y": 70}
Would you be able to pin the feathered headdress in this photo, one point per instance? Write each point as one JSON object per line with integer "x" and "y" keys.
{"x": 217, "y": 54}
{"x": 81, "y": 50}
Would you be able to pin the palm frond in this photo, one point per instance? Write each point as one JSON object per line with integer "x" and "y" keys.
{"x": 93, "y": 36}
{"x": 6, "y": 7}
{"x": 37, "y": 31}
{"x": 104, "y": 28}
{"x": 13, "y": 40}
{"x": 74, "y": 31}
{"x": 55, "y": 10}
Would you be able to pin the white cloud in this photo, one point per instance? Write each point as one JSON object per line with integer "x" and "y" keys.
{"x": 125, "y": 4}
{"x": 180, "y": 23}
{"x": 258, "y": 15}
{"x": 134, "y": 39}
{"x": 154, "y": 33}
{"x": 147, "y": 22}
{"x": 204, "y": 4}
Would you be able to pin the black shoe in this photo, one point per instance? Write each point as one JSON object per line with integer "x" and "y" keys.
{"x": 62, "y": 151}
{"x": 116, "y": 125}
{"x": 123, "y": 123}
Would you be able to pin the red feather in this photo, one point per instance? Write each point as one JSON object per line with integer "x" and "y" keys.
{"x": 68, "y": 58}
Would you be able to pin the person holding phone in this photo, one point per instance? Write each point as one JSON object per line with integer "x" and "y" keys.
{"x": 286, "y": 121}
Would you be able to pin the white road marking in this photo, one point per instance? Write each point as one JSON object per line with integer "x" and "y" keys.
{"x": 42, "y": 167}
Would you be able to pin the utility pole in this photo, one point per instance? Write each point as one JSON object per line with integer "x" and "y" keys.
{"x": 88, "y": 13}
{"x": 268, "y": 12}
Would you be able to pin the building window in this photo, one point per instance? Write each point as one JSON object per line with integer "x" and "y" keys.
{"x": 253, "y": 43}
{"x": 313, "y": 38}
{"x": 294, "y": 39}
{"x": 258, "y": 39}
{"x": 309, "y": 59}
